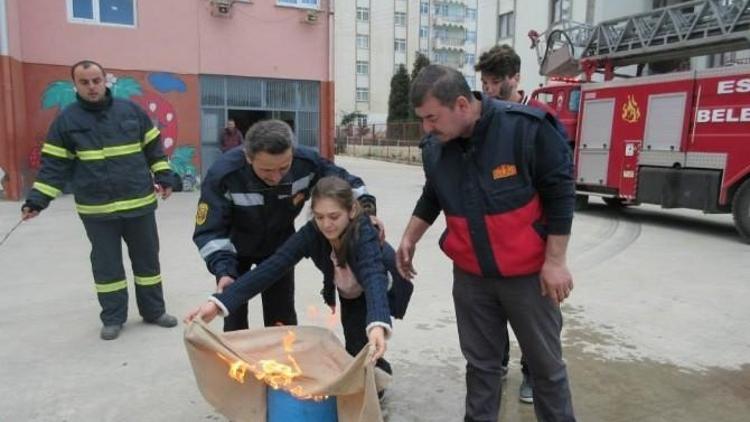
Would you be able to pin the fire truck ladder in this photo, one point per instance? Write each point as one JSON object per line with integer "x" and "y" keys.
{"x": 684, "y": 30}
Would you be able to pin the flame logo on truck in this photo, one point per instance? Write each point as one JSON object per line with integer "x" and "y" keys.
{"x": 631, "y": 113}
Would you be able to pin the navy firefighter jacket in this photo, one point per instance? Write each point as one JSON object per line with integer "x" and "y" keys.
{"x": 239, "y": 215}
{"x": 112, "y": 154}
{"x": 502, "y": 191}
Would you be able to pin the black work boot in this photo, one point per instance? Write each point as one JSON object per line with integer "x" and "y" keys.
{"x": 165, "y": 320}
{"x": 110, "y": 332}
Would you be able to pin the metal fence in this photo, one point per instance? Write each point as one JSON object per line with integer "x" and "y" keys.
{"x": 387, "y": 141}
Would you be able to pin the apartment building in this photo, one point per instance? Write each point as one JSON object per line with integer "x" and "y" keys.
{"x": 374, "y": 37}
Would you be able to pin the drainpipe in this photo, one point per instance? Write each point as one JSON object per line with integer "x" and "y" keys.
{"x": 8, "y": 131}
{"x": 3, "y": 29}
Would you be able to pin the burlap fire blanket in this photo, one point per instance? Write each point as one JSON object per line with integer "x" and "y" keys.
{"x": 234, "y": 369}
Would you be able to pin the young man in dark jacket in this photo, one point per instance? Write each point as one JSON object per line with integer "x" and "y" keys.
{"x": 112, "y": 153}
{"x": 502, "y": 175}
{"x": 249, "y": 200}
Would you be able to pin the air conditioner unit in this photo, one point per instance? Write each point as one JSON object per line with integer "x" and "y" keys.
{"x": 311, "y": 17}
{"x": 221, "y": 8}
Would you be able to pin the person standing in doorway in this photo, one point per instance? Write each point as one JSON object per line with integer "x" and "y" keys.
{"x": 111, "y": 151}
{"x": 231, "y": 136}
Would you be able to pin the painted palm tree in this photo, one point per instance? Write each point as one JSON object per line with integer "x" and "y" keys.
{"x": 60, "y": 94}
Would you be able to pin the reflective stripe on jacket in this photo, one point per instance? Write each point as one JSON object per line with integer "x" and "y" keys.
{"x": 109, "y": 151}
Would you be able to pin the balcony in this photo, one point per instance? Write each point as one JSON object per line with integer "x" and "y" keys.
{"x": 455, "y": 60}
{"x": 450, "y": 21}
{"x": 449, "y": 43}
{"x": 461, "y": 2}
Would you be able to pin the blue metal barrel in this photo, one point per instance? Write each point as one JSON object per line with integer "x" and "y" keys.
{"x": 283, "y": 407}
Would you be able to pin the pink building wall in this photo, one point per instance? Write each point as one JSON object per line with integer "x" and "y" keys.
{"x": 181, "y": 36}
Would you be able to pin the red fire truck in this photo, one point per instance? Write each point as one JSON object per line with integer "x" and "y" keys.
{"x": 679, "y": 140}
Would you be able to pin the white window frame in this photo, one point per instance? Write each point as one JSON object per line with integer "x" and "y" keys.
{"x": 399, "y": 42}
{"x": 365, "y": 97}
{"x": 424, "y": 7}
{"x": 364, "y": 65}
{"x": 363, "y": 14}
{"x": 506, "y": 24}
{"x": 399, "y": 19}
{"x": 362, "y": 120}
{"x": 363, "y": 37}
{"x": 298, "y": 4}
{"x": 96, "y": 20}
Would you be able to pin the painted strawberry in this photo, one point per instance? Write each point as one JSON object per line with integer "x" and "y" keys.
{"x": 163, "y": 115}
{"x": 35, "y": 157}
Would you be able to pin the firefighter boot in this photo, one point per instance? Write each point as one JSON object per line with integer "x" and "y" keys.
{"x": 110, "y": 332}
{"x": 165, "y": 320}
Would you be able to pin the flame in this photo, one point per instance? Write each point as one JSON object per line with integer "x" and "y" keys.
{"x": 237, "y": 369}
{"x": 288, "y": 341}
{"x": 630, "y": 111}
{"x": 317, "y": 317}
{"x": 275, "y": 374}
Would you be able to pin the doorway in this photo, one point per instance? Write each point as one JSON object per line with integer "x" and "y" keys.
{"x": 246, "y": 118}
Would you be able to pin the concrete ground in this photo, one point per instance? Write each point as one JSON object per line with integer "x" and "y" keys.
{"x": 655, "y": 330}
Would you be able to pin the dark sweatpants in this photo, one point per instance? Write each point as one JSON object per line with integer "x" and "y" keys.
{"x": 278, "y": 301}
{"x": 484, "y": 306}
{"x": 506, "y": 356}
{"x": 142, "y": 238}
{"x": 354, "y": 321}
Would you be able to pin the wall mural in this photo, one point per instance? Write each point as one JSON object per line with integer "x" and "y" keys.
{"x": 62, "y": 93}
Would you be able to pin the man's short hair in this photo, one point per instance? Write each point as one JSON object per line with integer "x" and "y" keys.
{"x": 85, "y": 64}
{"x": 500, "y": 61}
{"x": 270, "y": 136}
{"x": 442, "y": 83}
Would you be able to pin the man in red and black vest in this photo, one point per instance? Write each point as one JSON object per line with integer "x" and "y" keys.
{"x": 500, "y": 70}
{"x": 502, "y": 175}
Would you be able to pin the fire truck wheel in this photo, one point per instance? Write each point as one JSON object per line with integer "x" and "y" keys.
{"x": 614, "y": 202}
{"x": 741, "y": 210}
{"x": 582, "y": 202}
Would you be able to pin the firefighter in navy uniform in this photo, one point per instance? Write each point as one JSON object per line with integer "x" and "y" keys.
{"x": 249, "y": 200}
{"x": 112, "y": 153}
{"x": 502, "y": 175}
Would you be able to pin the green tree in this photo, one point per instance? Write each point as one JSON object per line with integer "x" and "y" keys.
{"x": 398, "y": 101}
{"x": 349, "y": 118}
{"x": 420, "y": 62}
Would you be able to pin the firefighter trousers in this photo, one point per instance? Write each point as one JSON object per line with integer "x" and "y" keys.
{"x": 484, "y": 306}
{"x": 142, "y": 239}
{"x": 278, "y": 301}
